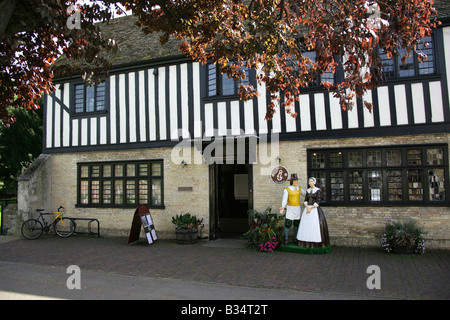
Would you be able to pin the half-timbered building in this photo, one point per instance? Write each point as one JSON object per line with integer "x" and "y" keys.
{"x": 172, "y": 134}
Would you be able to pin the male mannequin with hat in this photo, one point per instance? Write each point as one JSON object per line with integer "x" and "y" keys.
{"x": 291, "y": 201}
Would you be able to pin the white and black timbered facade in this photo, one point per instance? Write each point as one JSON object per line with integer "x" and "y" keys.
{"x": 121, "y": 133}
{"x": 161, "y": 102}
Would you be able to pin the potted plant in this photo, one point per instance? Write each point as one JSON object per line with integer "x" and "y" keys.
{"x": 186, "y": 228}
{"x": 266, "y": 230}
{"x": 402, "y": 236}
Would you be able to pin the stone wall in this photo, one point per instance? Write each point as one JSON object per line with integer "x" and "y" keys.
{"x": 54, "y": 183}
{"x": 61, "y": 171}
{"x": 10, "y": 224}
{"x": 354, "y": 226}
{"x": 34, "y": 190}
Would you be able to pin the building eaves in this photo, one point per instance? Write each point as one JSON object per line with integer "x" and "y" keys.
{"x": 134, "y": 46}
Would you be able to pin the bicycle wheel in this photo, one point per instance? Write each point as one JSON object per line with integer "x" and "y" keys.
{"x": 64, "y": 228}
{"x": 32, "y": 229}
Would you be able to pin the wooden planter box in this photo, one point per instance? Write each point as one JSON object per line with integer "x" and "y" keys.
{"x": 186, "y": 236}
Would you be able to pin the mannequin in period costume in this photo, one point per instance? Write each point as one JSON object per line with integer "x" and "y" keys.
{"x": 313, "y": 229}
{"x": 291, "y": 201}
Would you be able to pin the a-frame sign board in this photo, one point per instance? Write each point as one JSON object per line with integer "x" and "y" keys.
{"x": 142, "y": 217}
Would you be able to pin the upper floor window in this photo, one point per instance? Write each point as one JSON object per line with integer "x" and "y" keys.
{"x": 89, "y": 99}
{"x": 220, "y": 84}
{"x": 327, "y": 76}
{"x": 395, "y": 68}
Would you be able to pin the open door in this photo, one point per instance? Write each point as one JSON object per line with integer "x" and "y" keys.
{"x": 231, "y": 196}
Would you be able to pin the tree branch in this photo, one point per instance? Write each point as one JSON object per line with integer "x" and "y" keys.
{"x": 6, "y": 11}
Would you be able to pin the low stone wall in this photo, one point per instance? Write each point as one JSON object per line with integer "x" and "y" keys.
{"x": 11, "y": 223}
{"x": 363, "y": 226}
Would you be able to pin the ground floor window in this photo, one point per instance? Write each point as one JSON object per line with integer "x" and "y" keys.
{"x": 119, "y": 184}
{"x": 387, "y": 175}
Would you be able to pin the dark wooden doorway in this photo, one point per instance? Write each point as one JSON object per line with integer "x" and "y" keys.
{"x": 231, "y": 196}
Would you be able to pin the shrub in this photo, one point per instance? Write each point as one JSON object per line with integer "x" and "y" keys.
{"x": 405, "y": 233}
{"x": 266, "y": 230}
{"x": 186, "y": 221}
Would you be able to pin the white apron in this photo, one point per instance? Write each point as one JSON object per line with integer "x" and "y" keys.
{"x": 293, "y": 213}
{"x": 309, "y": 229}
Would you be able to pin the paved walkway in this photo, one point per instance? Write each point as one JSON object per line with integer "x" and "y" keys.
{"x": 342, "y": 272}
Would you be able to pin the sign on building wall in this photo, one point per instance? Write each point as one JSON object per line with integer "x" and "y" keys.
{"x": 279, "y": 175}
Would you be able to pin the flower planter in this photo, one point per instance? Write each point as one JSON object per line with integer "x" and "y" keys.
{"x": 186, "y": 228}
{"x": 403, "y": 237}
{"x": 402, "y": 249}
{"x": 186, "y": 236}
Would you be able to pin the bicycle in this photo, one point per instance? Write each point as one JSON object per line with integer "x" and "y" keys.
{"x": 63, "y": 227}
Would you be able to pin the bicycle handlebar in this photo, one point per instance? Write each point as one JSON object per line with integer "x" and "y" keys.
{"x": 44, "y": 213}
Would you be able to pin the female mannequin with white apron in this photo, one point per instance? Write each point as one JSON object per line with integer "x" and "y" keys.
{"x": 313, "y": 229}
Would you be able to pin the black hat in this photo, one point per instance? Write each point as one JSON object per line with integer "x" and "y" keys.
{"x": 294, "y": 176}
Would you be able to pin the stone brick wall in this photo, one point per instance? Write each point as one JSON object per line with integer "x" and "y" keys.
{"x": 117, "y": 221}
{"x": 10, "y": 223}
{"x": 55, "y": 184}
{"x": 354, "y": 226}
{"x": 34, "y": 191}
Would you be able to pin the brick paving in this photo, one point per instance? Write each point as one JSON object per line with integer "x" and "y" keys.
{"x": 343, "y": 271}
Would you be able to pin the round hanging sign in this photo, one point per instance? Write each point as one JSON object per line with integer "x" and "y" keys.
{"x": 279, "y": 175}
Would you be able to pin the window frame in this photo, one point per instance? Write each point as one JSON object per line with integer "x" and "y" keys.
{"x": 113, "y": 177}
{"x": 328, "y": 174}
{"x": 396, "y": 61}
{"x": 95, "y": 93}
{"x": 319, "y": 79}
{"x": 218, "y": 84}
